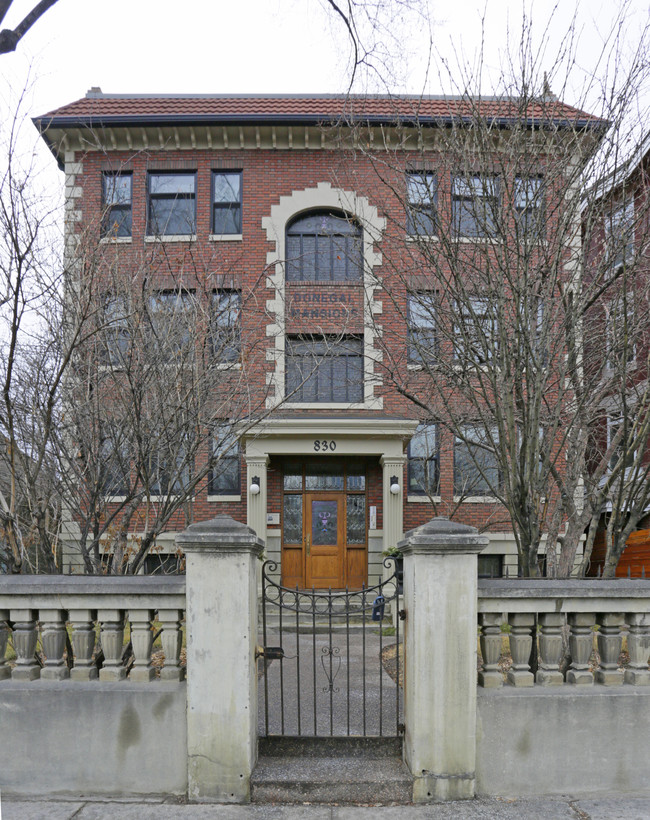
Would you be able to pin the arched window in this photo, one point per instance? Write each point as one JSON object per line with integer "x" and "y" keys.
{"x": 323, "y": 246}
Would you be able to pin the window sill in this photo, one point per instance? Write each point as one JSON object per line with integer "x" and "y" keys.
{"x": 491, "y": 240}
{"x": 414, "y": 367}
{"x": 476, "y": 499}
{"x": 114, "y": 499}
{"x": 116, "y": 240}
{"x": 171, "y": 238}
{"x": 422, "y": 237}
{"x": 323, "y": 405}
{"x": 226, "y": 237}
{"x": 229, "y": 366}
{"x": 424, "y": 499}
{"x": 224, "y": 498}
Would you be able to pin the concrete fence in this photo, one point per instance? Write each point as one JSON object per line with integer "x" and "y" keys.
{"x": 145, "y": 728}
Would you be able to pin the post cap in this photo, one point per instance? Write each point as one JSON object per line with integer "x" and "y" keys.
{"x": 221, "y": 533}
{"x": 440, "y": 535}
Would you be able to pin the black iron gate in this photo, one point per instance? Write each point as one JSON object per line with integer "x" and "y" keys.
{"x": 326, "y": 660}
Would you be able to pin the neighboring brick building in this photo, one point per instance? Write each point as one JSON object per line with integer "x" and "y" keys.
{"x": 272, "y": 195}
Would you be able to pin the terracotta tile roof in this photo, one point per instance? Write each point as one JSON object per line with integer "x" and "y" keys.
{"x": 117, "y": 108}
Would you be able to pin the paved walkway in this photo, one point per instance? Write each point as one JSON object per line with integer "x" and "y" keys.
{"x": 338, "y": 694}
{"x": 542, "y": 808}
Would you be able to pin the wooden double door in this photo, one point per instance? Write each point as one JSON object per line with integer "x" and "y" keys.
{"x": 325, "y": 540}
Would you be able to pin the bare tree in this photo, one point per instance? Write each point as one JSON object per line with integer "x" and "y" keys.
{"x": 9, "y": 38}
{"x": 492, "y": 202}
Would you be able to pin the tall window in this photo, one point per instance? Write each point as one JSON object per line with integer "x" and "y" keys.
{"x": 116, "y": 204}
{"x": 474, "y": 204}
{"x": 625, "y": 446}
{"x": 324, "y": 369}
{"x": 422, "y": 193}
{"x": 226, "y": 202}
{"x": 114, "y": 466}
{"x": 324, "y": 247}
{"x": 116, "y": 336}
{"x": 424, "y": 461}
{"x": 476, "y": 468}
{"x": 475, "y": 337}
{"x": 528, "y": 193}
{"x": 171, "y": 315}
{"x": 421, "y": 327}
{"x": 224, "y": 477}
{"x": 619, "y": 234}
{"x": 168, "y": 470}
{"x": 620, "y": 332}
{"x": 172, "y": 204}
{"x": 226, "y": 325}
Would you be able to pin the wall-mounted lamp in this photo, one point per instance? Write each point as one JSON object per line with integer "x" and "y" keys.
{"x": 255, "y": 485}
{"x": 394, "y": 484}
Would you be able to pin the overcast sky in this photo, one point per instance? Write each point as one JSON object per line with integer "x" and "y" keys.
{"x": 283, "y": 46}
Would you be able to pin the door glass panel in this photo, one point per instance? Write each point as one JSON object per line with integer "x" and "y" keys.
{"x": 324, "y": 522}
{"x": 356, "y": 519}
{"x": 292, "y": 519}
{"x": 324, "y": 477}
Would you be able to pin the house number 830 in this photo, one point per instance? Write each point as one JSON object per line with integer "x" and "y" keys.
{"x": 324, "y": 445}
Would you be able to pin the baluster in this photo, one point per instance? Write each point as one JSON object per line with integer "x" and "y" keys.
{"x": 53, "y": 636}
{"x": 172, "y": 640}
{"x": 581, "y": 641}
{"x": 521, "y": 641}
{"x": 638, "y": 647}
{"x": 83, "y": 644}
{"x": 5, "y": 669}
{"x": 112, "y": 638}
{"x": 142, "y": 641}
{"x": 24, "y": 621}
{"x": 490, "y": 677}
{"x": 550, "y": 649}
{"x": 610, "y": 643}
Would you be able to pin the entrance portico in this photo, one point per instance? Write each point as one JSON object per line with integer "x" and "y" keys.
{"x": 345, "y": 442}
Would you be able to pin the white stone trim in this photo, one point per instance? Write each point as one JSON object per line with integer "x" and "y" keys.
{"x": 226, "y": 237}
{"x": 323, "y": 196}
{"x": 224, "y": 498}
{"x": 171, "y": 238}
{"x": 423, "y": 499}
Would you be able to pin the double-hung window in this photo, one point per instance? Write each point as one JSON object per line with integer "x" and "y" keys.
{"x": 476, "y": 467}
{"x": 422, "y": 195}
{"x": 475, "y": 336}
{"x": 324, "y": 369}
{"x": 171, "y": 320}
{"x": 324, "y": 247}
{"x": 172, "y": 204}
{"x": 116, "y": 335}
{"x": 226, "y": 202}
{"x": 114, "y": 466}
{"x": 168, "y": 470}
{"x": 421, "y": 327}
{"x": 528, "y": 195}
{"x": 624, "y": 450}
{"x": 474, "y": 205}
{"x": 224, "y": 477}
{"x": 116, "y": 204}
{"x": 620, "y": 332}
{"x": 619, "y": 235}
{"x": 424, "y": 461}
{"x": 226, "y": 325}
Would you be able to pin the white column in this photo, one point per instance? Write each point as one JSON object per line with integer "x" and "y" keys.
{"x": 221, "y": 636}
{"x": 440, "y": 591}
{"x": 393, "y": 513}
{"x": 256, "y": 504}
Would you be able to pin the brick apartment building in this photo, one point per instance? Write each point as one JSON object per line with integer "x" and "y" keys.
{"x": 280, "y": 200}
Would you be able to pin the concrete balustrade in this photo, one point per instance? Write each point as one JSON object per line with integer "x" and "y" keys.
{"x": 41, "y": 606}
{"x": 540, "y": 609}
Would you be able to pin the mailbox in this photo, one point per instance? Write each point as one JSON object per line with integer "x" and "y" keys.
{"x": 378, "y": 608}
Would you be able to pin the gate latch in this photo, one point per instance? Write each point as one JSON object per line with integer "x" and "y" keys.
{"x": 271, "y": 653}
{"x": 378, "y": 608}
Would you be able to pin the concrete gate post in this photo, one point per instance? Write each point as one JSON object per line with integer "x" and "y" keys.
{"x": 440, "y": 594}
{"x": 221, "y": 627}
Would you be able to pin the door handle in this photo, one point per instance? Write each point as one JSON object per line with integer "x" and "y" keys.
{"x": 308, "y": 543}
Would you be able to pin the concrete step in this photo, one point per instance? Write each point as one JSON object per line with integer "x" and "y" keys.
{"x": 331, "y": 770}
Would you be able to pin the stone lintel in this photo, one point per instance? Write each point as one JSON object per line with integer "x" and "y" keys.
{"x": 440, "y": 536}
{"x": 221, "y": 534}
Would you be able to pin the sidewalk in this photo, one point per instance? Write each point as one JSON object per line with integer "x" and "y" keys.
{"x": 541, "y": 808}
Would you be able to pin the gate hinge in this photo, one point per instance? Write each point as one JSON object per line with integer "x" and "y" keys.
{"x": 401, "y": 728}
{"x": 402, "y": 614}
{"x": 270, "y": 653}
